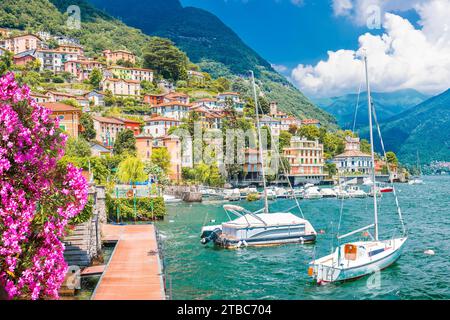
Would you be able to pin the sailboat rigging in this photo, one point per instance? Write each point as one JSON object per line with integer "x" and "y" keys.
{"x": 259, "y": 228}
{"x": 356, "y": 259}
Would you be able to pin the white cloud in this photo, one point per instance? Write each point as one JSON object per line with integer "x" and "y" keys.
{"x": 361, "y": 11}
{"x": 280, "y": 68}
{"x": 403, "y": 57}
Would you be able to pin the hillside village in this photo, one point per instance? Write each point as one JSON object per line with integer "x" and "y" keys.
{"x": 116, "y": 108}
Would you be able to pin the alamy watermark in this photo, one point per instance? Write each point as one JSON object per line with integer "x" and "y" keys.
{"x": 230, "y": 147}
{"x": 74, "y": 17}
{"x": 373, "y": 17}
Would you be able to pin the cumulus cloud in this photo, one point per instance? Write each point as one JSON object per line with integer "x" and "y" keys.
{"x": 361, "y": 11}
{"x": 280, "y": 68}
{"x": 403, "y": 57}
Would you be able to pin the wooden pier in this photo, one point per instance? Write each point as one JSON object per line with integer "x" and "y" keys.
{"x": 134, "y": 271}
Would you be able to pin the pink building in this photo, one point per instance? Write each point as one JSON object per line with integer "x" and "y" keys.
{"x": 21, "y": 43}
{"x": 81, "y": 69}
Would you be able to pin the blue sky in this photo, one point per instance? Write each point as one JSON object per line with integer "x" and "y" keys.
{"x": 296, "y": 33}
{"x": 309, "y": 38}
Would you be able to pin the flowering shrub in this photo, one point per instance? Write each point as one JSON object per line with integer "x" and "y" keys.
{"x": 38, "y": 196}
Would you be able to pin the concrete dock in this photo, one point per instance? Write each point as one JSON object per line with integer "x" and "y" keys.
{"x": 134, "y": 271}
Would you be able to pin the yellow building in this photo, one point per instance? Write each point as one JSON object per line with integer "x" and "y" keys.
{"x": 144, "y": 145}
{"x": 69, "y": 117}
{"x": 306, "y": 160}
{"x": 173, "y": 146}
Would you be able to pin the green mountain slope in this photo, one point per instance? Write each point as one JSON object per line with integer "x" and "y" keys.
{"x": 99, "y": 31}
{"x": 424, "y": 128}
{"x": 211, "y": 44}
{"x": 388, "y": 104}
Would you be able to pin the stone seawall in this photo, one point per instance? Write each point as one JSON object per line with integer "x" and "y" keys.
{"x": 186, "y": 193}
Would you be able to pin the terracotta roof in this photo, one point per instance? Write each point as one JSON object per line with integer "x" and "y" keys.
{"x": 144, "y": 136}
{"x": 34, "y": 94}
{"x": 176, "y": 94}
{"x": 59, "y": 107}
{"x": 352, "y": 153}
{"x": 161, "y": 119}
{"x": 310, "y": 121}
{"x": 120, "y": 50}
{"x": 228, "y": 94}
{"x": 124, "y": 68}
{"x": 127, "y": 120}
{"x": 172, "y": 103}
{"x": 85, "y": 62}
{"x": 61, "y": 94}
{"x": 108, "y": 120}
{"x": 206, "y": 100}
{"x": 122, "y": 80}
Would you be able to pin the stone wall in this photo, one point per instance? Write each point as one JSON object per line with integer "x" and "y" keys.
{"x": 84, "y": 242}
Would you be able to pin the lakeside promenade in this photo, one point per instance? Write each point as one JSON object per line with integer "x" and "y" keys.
{"x": 134, "y": 271}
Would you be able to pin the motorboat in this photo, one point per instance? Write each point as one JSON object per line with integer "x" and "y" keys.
{"x": 415, "y": 181}
{"x": 353, "y": 260}
{"x": 258, "y": 229}
{"x": 232, "y": 194}
{"x": 328, "y": 193}
{"x": 341, "y": 193}
{"x": 271, "y": 194}
{"x": 312, "y": 193}
{"x": 171, "y": 199}
{"x": 262, "y": 227}
{"x": 355, "y": 192}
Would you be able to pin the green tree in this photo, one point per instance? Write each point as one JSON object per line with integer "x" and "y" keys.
{"x": 285, "y": 139}
{"x": 87, "y": 123}
{"x": 215, "y": 179}
{"x": 156, "y": 171}
{"x": 331, "y": 169}
{"x": 264, "y": 105}
{"x": 6, "y": 62}
{"x": 167, "y": 60}
{"x": 161, "y": 158}
{"x": 392, "y": 158}
{"x": 95, "y": 78}
{"x": 222, "y": 84}
{"x": 125, "y": 142}
{"x": 310, "y": 132}
{"x": 131, "y": 170}
{"x": 77, "y": 148}
{"x": 365, "y": 146}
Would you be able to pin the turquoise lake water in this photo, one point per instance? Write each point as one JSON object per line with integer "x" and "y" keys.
{"x": 206, "y": 272}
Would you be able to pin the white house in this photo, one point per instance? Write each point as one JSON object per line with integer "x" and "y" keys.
{"x": 273, "y": 124}
{"x": 353, "y": 160}
{"x": 159, "y": 126}
{"x": 210, "y": 104}
{"x": 175, "y": 110}
{"x": 122, "y": 87}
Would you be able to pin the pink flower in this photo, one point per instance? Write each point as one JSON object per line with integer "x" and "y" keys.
{"x": 33, "y": 189}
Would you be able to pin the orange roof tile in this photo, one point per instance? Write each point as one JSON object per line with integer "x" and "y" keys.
{"x": 108, "y": 120}
{"x": 59, "y": 107}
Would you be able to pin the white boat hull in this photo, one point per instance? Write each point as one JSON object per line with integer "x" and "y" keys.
{"x": 324, "y": 273}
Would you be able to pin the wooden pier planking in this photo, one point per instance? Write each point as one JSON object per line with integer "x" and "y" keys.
{"x": 134, "y": 271}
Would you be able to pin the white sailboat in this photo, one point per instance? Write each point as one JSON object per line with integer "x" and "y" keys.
{"x": 356, "y": 259}
{"x": 262, "y": 227}
{"x": 417, "y": 180}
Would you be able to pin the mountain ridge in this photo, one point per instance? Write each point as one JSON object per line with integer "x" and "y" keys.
{"x": 215, "y": 47}
{"x": 388, "y": 104}
{"x": 424, "y": 128}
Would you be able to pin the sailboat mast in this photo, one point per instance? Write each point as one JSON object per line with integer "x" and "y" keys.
{"x": 369, "y": 100}
{"x": 266, "y": 202}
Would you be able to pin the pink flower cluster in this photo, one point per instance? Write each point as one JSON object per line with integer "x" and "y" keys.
{"x": 38, "y": 197}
